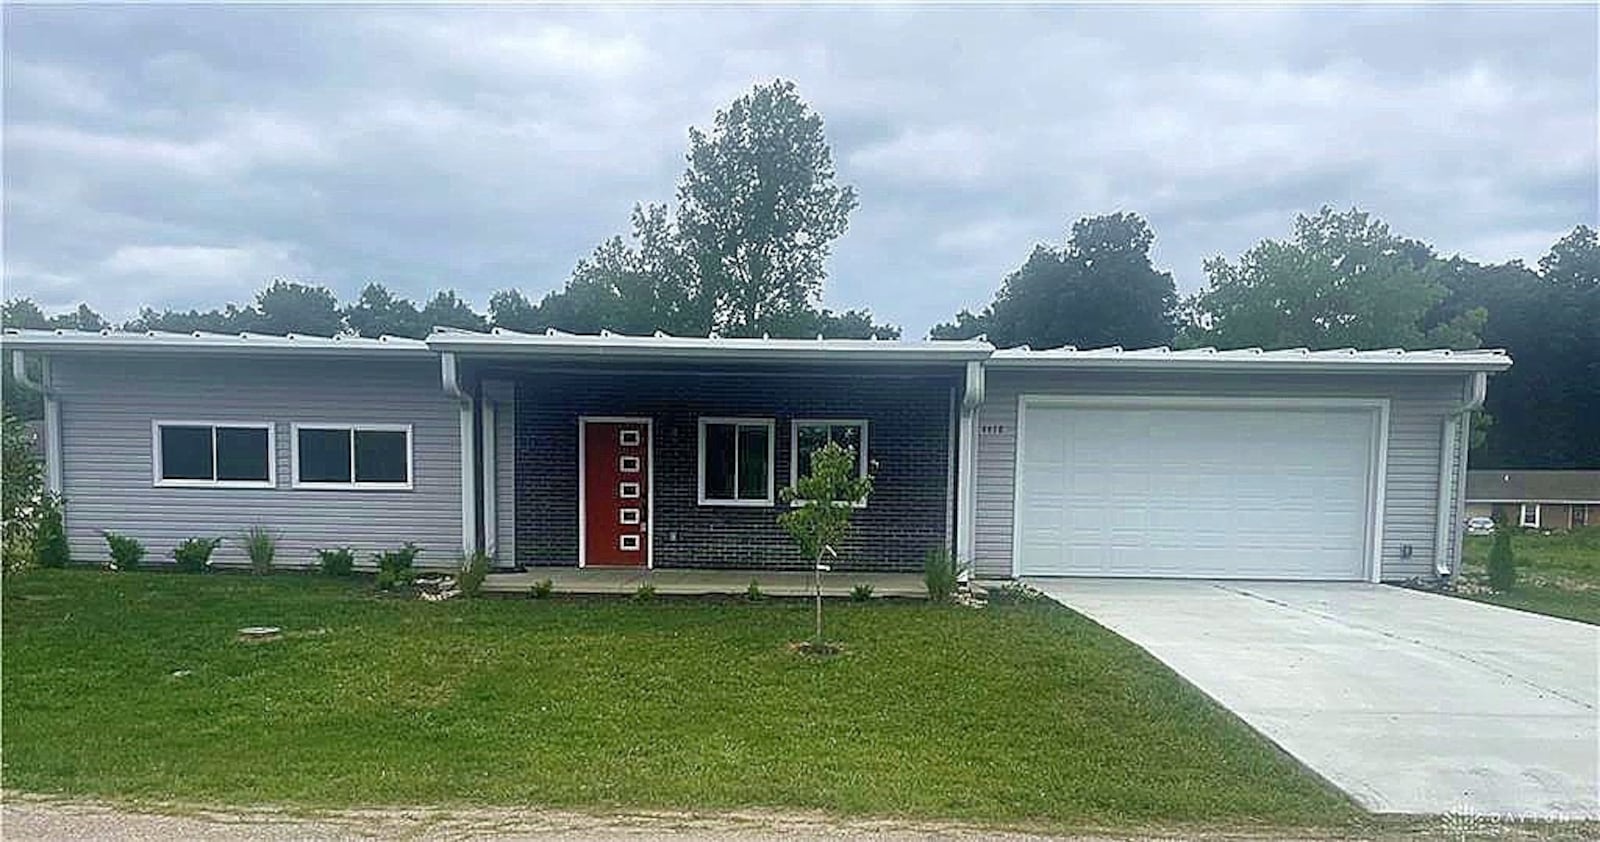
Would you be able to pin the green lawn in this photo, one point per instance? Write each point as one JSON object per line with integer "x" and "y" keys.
{"x": 1557, "y": 574}
{"x": 1010, "y": 714}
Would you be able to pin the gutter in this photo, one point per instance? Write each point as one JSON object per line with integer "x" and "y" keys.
{"x": 1453, "y": 438}
{"x": 52, "y": 416}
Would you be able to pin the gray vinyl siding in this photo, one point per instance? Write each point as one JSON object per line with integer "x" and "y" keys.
{"x": 108, "y": 404}
{"x": 1418, "y": 404}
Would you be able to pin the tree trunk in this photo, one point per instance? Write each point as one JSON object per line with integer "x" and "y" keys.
{"x": 816, "y": 571}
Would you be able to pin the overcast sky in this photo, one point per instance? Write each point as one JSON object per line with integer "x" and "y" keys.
{"x": 182, "y": 156}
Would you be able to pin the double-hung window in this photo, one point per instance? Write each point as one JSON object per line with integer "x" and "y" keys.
{"x": 810, "y": 435}
{"x": 345, "y": 456}
{"x": 1530, "y": 515}
{"x": 736, "y": 456}
{"x": 213, "y": 455}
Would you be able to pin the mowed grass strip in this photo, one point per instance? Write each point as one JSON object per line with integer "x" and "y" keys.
{"x": 134, "y": 686}
{"x": 1557, "y": 573}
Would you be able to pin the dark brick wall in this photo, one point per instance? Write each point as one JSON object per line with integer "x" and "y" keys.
{"x": 908, "y": 436}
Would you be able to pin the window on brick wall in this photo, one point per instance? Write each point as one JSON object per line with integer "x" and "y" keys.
{"x": 736, "y": 462}
{"x": 807, "y": 436}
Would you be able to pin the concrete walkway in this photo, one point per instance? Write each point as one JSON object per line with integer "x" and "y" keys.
{"x": 1410, "y": 702}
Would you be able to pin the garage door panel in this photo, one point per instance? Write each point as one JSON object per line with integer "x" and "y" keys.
{"x": 1195, "y": 492}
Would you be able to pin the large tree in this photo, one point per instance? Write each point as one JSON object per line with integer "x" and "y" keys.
{"x": 446, "y": 309}
{"x": 290, "y": 307}
{"x": 379, "y": 312}
{"x": 1098, "y": 289}
{"x": 758, "y": 211}
{"x": 1544, "y": 409}
{"x": 637, "y": 285}
{"x": 743, "y": 251}
{"x": 1341, "y": 280}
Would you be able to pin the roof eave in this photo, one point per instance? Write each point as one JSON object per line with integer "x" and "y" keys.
{"x": 1458, "y": 366}
{"x": 883, "y": 353}
{"x": 138, "y": 344}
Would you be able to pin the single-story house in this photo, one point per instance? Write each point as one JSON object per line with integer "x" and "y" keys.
{"x": 1535, "y": 499}
{"x": 662, "y": 451}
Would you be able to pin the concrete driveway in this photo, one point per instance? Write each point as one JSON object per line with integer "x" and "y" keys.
{"x": 1410, "y": 702}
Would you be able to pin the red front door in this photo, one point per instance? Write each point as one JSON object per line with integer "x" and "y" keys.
{"x": 616, "y": 493}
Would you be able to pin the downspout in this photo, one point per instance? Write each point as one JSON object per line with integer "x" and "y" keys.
{"x": 1452, "y": 470}
{"x": 52, "y": 416}
{"x": 966, "y": 471}
{"x": 450, "y": 375}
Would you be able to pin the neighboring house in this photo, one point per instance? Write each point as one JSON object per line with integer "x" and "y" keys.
{"x": 1535, "y": 499}
{"x": 609, "y": 450}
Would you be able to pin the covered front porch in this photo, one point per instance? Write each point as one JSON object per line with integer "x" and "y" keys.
{"x": 656, "y": 453}
{"x": 702, "y": 582}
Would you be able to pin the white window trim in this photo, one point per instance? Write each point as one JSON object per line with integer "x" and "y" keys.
{"x": 272, "y": 455}
{"x": 794, "y": 448}
{"x": 1523, "y": 521}
{"x": 772, "y": 468}
{"x": 353, "y": 485}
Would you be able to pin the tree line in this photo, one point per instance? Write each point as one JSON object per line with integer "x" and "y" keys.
{"x": 741, "y": 251}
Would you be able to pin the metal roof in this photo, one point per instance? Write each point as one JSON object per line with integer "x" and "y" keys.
{"x": 1251, "y": 359}
{"x": 167, "y": 342}
{"x": 555, "y": 343}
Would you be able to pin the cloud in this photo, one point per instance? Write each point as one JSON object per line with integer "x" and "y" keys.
{"x": 199, "y": 263}
{"x": 948, "y": 154}
{"x": 185, "y": 155}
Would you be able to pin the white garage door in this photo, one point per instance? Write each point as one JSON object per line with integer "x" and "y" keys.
{"x": 1209, "y": 491}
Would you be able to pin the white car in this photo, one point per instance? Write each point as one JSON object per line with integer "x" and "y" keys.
{"x": 1480, "y": 525}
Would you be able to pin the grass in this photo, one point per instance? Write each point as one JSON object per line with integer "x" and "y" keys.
{"x": 1557, "y": 573}
{"x": 132, "y": 686}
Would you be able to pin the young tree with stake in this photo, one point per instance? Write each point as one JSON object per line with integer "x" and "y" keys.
{"x": 823, "y": 502}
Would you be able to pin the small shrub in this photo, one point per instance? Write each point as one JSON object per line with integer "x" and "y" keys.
{"x": 473, "y": 571}
{"x": 861, "y": 593}
{"x": 542, "y": 589}
{"x": 194, "y": 554}
{"x": 1014, "y": 593}
{"x": 50, "y": 547}
{"x": 22, "y": 490}
{"x": 396, "y": 567}
{"x": 940, "y": 574}
{"x": 126, "y": 552}
{"x": 260, "y": 545}
{"x": 645, "y": 593}
{"x": 753, "y": 593}
{"x": 1502, "y": 562}
{"x": 337, "y": 561}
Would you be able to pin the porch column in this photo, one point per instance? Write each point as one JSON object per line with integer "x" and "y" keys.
{"x": 491, "y": 530}
{"x": 967, "y": 469}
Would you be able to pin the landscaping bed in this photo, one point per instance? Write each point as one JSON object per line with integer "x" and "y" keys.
{"x": 1558, "y": 573}
{"x": 135, "y": 686}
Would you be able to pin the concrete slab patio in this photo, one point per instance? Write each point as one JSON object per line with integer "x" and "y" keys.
{"x": 693, "y": 582}
{"x": 1410, "y": 702}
